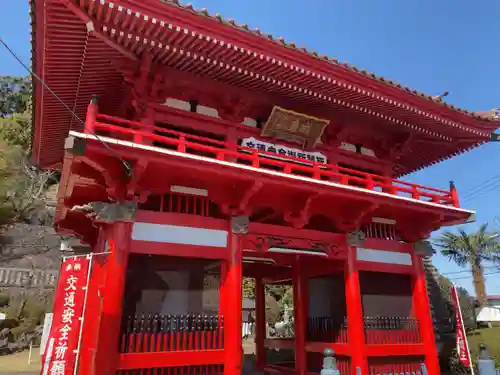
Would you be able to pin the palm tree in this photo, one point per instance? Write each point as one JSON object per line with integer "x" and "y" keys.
{"x": 471, "y": 249}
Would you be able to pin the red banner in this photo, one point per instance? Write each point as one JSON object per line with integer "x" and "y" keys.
{"x": 61, "y": 352}
{"x": 462, "y": 345}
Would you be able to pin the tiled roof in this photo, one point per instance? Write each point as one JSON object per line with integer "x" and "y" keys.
{"x": 313, "y": 54}
{"x": 355, "y": 93}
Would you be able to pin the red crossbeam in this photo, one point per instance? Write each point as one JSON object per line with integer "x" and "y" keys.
{"x": 130, "y": 361}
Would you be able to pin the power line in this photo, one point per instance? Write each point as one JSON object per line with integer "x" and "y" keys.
{"x": 463, "y": 271}
{"x": 481, "y": 193}
{"x": 481, "y": 189}
{"x": 470, "y": 276}
{"x": 126, "y": 166}
{"x": 479, "y": 186}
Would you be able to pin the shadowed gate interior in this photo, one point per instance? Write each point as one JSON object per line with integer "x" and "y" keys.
{"x": 172, "y": 307}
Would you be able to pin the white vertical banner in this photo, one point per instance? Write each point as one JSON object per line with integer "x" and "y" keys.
{"x": 47, "y": 323}
{"x": 462, "y": 344}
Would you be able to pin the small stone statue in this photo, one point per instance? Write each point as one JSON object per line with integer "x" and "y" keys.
{"x": 485, "y": 364}
{"x": 329, "y": 363}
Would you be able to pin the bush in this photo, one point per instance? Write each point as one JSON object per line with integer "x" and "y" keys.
{"x": 34, "y": 310}
{"x": 26, "y": 326}
{"x": 9, "y": 323}
{"x": 4, "y": 300}
{"x": 272, "y": 310}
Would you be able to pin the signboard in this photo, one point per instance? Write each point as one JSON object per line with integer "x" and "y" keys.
{"x": 64, "y": 338}
{"x": 211, "y": 286}
{"x": 462, "y": 345}
{"x": 279, "y": 150}
{"x": 292, "y": 126}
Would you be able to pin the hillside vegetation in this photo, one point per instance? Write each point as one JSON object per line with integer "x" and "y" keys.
{"x": 22, "y": 186}
{"x": 27, "y": 239}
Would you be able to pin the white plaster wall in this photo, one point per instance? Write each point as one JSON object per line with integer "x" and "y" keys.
{"x": 179, "y": 299}
{"x": 150, "y": 300}
{"x": 249, "y": 122}
{"x": 210, "y": 294}
{"x": 178, "y": 104}
{"x": 204, "y": 110}
{"x": 176, "y": 300}
{"x": 207, "y": 111}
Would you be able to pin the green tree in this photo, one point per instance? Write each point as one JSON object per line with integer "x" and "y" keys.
{"x": 472, "y": 250}
{"x": 465, "y": 300}
{"x": 248, "y": 288}
{"x": 15, "y": 94}
{"x": 22, "y": 187}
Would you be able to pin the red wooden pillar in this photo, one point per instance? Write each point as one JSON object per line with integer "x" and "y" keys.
{"x": 232, "y": 300}
{"x": 454, "y": 195}
{"x": 91, "y": 116}
{"x": 149, "y": 120}
{"x": 260, "y": 323}
{"x": 355, "y": 324}
{"x": 86, "y": 362}
{"x": 222, "y": 298}
{"x": 300, "y": 315}
{"x": 422, "y": 311}
{"x": 107, "y": 356}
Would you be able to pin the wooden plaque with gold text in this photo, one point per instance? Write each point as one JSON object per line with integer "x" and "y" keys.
{"x": 294, "y": 127}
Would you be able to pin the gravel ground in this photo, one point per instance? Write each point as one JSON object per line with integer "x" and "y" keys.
{"x": 17, "y": 364}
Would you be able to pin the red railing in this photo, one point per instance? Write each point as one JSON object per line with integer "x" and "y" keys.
{"x": 172, "y": 344}
{"x": 146, "y": 134}
{"x": 395, "y": 365}
{"x": 179, "y": 203}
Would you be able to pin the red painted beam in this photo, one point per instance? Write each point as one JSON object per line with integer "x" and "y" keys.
{"x": 144, "y": 216}
{"x": 230, "y": 173}
{"x": 277, "y": 230}
{"x": 319, "y": 347}
{"x": 277, "y": 369}
{"x": 279, "y": 343}
{"x": 372, "y": 350}
{"x": 131, "y": 361}
{"x": 384, "y": 267}
{"x": 379, "y": 350}
{"x": 175, "y": 250}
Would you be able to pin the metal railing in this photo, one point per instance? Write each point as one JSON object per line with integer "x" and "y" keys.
{"x": 391, "y": 330}
{"x": 166, "y": 333}
{"x": 327, "y": 329}
{"x": 147, "y": 134}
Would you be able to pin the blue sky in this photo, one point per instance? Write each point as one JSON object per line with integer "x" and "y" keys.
{"x": 432, "y": 46}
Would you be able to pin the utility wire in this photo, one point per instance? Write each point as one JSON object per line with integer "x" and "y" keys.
{"x": 464, "y": 271}
{"x": 470, "y": 276}
{"x": 481, "y": 193}
{"x": 479, "y": 186}
{"x": 481, "y": 189}
{"x": 126, "y": 166}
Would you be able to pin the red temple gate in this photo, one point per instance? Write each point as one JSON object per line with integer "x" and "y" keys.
{"x": 211, "y": 152}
